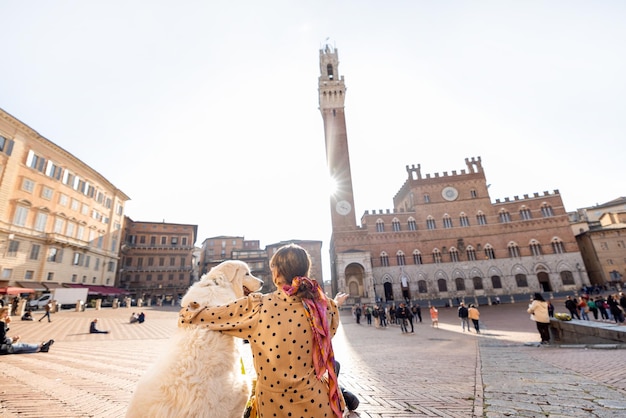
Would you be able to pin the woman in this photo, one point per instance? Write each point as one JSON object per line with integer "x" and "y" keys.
{"x": 289, "y": 331}
{"x": 10, "y": 345}
{"x": 538, "y": 311}
{"x": 474, "y": 315}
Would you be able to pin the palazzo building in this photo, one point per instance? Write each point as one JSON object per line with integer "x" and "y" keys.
{"x": 443, "y": 238}
{"x": 60, "y": 220}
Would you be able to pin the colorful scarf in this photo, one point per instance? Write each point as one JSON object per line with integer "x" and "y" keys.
{"x": 323, "y": 355}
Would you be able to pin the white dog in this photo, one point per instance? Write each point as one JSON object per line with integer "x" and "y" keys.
{"x": 200, "y": 375}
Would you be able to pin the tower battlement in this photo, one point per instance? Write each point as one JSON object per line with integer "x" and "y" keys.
{"x": 535, "y": 195}
{"x": 474, "y": 165}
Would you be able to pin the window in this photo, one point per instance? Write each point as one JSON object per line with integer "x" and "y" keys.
{"x": 380, "y": 225}
{"x": 460, "y": 284}
{"x": 489, "y": 252}
{"x": 47, "y": 193}
{"x": 152, "y": 240}
{"x": 87, "y": 261}
{"x": 150, "y": 261}
{"x": 63, "y": 199}
{"x": 142, "y": 239}
{"x": 74, "y": 278}
{"x": 40, "y": 222}
{"x": 436, "y": 256}
{"x": 496, "y": 282}
{"x": 70, "y": 229}
{"x": 183, "y": 260}
{"x": 35, "y": 161}
{"x": 53, "y": 170}
{"x": 384, "y": 259}
{"x": 97, "y": 264}
{"x": 400, "y": 260}
{"x": 184, "y": 241}
{"x": 481, "y": 218}
{"x": 76, "y": 260}
{"x": 174, "y": 240}
{"x": 442, "y": 285}
{"x": 170, "y": 276}
{"x": 29, "y": 275}
{"x": 525, "y": 214}
{"x": 470, "y": 252}
{"x": 557, "y": 246}
{"x": 161, "y": 261}
{"x": 52, "y": 254}
{"x": 395, "y": 225}
{"x": 50, "y": 276}
{"x": 505, "y": 217}
{"x": 14, "y": 247}
{"x": 535, "y": 248}
{"x": 520, "y": 280}
{"x": 111, "y": 266}
{"x": 163, "y": 240}
{"x": 21, "y": 214}
{"x": 172, "y": 261}
{"x": 7, "y": 273}
{"x": 58, "y": 225}
{"x": 80, "y": 232}
{"x": 567, "y": 277}
{"x": 478, "y": 282}
{"x": 417, "y": 257}
{"x": 447, "y": 221}
{"x": 75, "y": 205}
{"x": 422, "y": 287}
{"x": 139, "y": 261}
{"x": 6, "y": 145}
{"x": 473, "y": 194}
{"x": 464, "y": 220}
{"x": 412, "y": 225}
{"x": 159, "y": 277}
{"x": 430, "y": 223}
{"x": 34, "y": 251}
{"x": 149, "y": 278}
{"x": 454, "y": 255}
{"x": 426, "y": 198}
{"x": 546, "y": 211}
{"x": 514, "y": 250}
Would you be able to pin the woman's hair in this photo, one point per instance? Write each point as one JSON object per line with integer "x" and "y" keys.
{"x": 291, "y": 261}
{"x": 538, "y": 297}
{"x": 3, "y": 310}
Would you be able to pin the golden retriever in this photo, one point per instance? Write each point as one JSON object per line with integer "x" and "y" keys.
{"x": 200, "y": 375}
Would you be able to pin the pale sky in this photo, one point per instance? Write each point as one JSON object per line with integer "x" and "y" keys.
{"x": 206, "y": 112}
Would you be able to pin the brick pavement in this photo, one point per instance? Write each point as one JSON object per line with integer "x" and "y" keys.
{"x": 430, "y": 373}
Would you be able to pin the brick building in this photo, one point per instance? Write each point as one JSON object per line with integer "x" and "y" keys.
{"x": 443, "y": 238}
{"x": 60, "y": 220}
{"x": 157, "y": 259}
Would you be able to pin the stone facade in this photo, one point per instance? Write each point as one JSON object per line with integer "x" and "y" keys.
{"x": 60, "y": 220}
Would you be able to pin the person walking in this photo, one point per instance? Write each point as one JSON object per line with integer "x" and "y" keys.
{"x": 434, "y": 316}
{"x": 538, "y": 311}
{"x": 290, "y": 332}
{"x": 368, "y": 314}
{"x": 417, "y": 311}
{"x": 571, "y": 307}
{"x": 47, "y": 308}
{"x": 474, "y": 315}
{"x": 357, "y": 313}
{"x": 464, "y": 315}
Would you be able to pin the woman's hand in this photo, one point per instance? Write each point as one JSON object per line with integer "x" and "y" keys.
{"x": 340, "y": 299}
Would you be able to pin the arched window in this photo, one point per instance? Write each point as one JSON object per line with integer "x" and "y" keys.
{"x": 557, "y": 246}
{"x": 478, "y": 282}
{"x": 470, "y": 252}
{"x": 489, "y": 252}
{"x": 460, "y": 284}
{"x": 417, "y": 257}
{"x": 496, "y": 282}
{"x": 329, "y": 70}
{"x": 422, "y": 287}
{"x": 464, "y": 220}
{"x": 520, "y": 280}
{"x": 567, "y": 277}
{"x": 505, "y": 217}
{"x": 546, "y": 210}
{"x": 395, "y": 225}
{"x": 525, "y": 214}
{"x": 442, "y": 285}
{"x": 384, "y": 259}
{"x": 430, "y": 223}
{"x": 454, "y": 255}
{"x": 426, "y": 198}
{"x": 436, "y": 256}
{"x": 447, "y": 221}
{"x": 535, "y": 248}
{"x": 380, "y": 225}
{"x": 514, "y": 250}
{"x": 400, "y": 258}
{"x": 481, "y": 218}
{"x": 412, "y": 224}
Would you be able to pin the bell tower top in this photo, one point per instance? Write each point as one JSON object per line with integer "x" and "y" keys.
{"x": 332, "y": 90}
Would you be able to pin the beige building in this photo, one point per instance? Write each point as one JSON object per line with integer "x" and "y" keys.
{"x": 157, "y": 259}
{"x": 60, "y": 220}
{"x": 601, "y": 236}
{"x": 443, "y": 239}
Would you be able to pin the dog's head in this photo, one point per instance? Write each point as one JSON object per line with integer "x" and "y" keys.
{"x": 233, "y": 276}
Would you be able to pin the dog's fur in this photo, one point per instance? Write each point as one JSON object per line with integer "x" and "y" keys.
{"x": 200, "y": 375}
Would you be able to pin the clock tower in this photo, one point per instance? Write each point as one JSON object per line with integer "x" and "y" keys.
{"x": 332, "y": 93}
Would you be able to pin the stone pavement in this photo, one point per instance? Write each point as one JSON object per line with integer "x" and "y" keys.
{"x": 429, "y": 373}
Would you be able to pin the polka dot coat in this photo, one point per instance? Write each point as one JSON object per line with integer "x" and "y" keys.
{"x": 281, "y": 342}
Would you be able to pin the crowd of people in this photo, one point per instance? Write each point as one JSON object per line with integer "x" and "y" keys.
{"x": 609, "y": 308}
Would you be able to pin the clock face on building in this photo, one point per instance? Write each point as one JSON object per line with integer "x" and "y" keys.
{"x": 343, "y": 207}
{"x": 450, "y": 193}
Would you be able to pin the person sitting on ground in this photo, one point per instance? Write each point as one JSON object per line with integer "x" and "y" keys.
{"x": 141, "y": 318}
{"x": 93, "y": 328}
{"x": 10, "y": 345}
{"x": 28, "y": 316}
{"x": 134, "y": 318}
